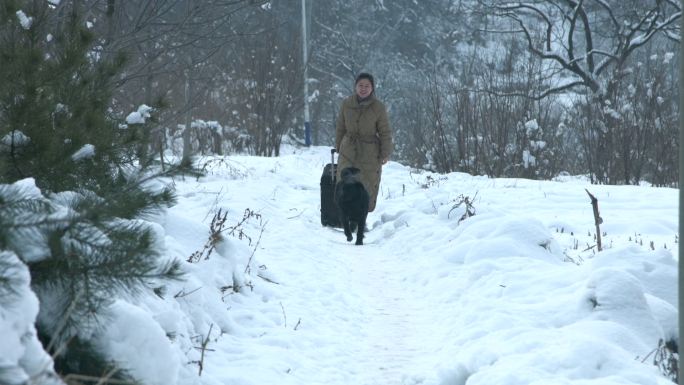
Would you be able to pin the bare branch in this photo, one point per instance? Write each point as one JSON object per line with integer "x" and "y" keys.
{"x": 540, "y": 96}
{"x": 609, "y": 10}
{"x": 579, "y": 11}
{"x": 509, "y": 10}
{"x": 577, "y": 16}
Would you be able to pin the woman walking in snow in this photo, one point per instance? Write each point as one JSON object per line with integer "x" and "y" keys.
{"x": 363, "y": 135}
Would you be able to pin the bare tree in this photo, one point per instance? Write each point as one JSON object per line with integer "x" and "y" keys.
{"x": 588, "y": 47}
{"x": 167, "y": 41}
{"x": 568, "y": 35}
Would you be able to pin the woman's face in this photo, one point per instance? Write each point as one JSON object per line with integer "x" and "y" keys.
{"x": 364, "y": 88}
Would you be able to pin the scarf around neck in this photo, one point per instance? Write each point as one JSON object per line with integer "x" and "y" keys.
{"x": 364, "y": 100}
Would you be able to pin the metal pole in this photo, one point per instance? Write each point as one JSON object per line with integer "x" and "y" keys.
{"x": 680, "y": 260}
{"x": 305, "y": 61}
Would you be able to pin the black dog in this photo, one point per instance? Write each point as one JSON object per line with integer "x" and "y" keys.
{"x": 352, "y": 203}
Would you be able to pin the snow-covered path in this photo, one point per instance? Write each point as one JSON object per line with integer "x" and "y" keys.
{"x": 361, "y": 319}
{"x": 347, "y": 314}
{"x": 394, "y": 321}
{"x": 429, "y": 301}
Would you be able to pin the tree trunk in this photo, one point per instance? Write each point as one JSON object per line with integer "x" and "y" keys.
{"x": 187, "y": 132}
{"x": 111, "y": 27}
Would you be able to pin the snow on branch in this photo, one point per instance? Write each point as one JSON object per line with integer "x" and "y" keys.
{"x": 571, "y": 19}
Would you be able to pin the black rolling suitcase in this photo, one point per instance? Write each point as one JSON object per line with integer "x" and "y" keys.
{"x": 329, "y": 216}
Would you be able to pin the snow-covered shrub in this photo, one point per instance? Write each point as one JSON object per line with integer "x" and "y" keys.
{"x": 81, "y": 259}
{"x": 22, "y": 358}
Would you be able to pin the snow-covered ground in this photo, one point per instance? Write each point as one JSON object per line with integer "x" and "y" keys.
{"x": 516, "y": 294}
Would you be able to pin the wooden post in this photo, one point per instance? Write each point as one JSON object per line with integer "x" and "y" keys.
{"x": 597, "y": 219}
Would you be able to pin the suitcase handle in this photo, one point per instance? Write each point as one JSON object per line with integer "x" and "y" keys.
{"x": 332, "y": 161}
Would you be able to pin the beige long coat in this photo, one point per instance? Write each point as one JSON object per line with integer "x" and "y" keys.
{"x": 364, "y": 139}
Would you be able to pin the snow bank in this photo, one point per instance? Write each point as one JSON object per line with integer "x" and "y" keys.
{"x": 515, "y": 295}
{"x": 22, "y": 358}
{"x": 154, "y": 336}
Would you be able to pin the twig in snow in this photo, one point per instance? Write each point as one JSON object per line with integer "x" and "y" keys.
{"x": 256, "y": 246}
{"x": 203, "y": 348}
{"x": 267, "y": 279}
{"x": 597, "y": 218}
{"x": 298, "y": 215}
{"x": 284, "y": 315}
{"x": 182, "y": 293}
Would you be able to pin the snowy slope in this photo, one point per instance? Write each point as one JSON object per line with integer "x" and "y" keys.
{"x": 516, "y": 294}
{"x": 495, "y": 299}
